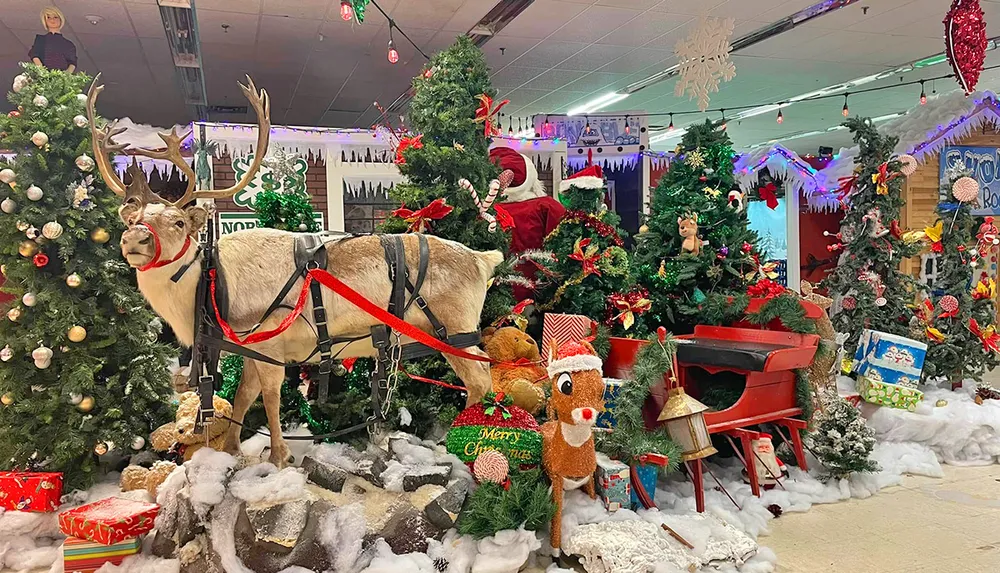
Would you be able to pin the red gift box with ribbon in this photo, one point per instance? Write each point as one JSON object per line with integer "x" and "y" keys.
{"x": 110, "y": 520}
{"x": 30, "y": 491}
{"x": 565, "y": 328}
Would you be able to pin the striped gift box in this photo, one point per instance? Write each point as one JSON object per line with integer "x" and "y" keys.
{"x": 83, "y": 556}
{"x": 564, "y": 328}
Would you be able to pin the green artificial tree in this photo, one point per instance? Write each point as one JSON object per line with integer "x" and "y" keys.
{"x": 874, "y": 292}
{"x": 842, "y": 441}
{"x": 955, "y": 320}
{"x": 590, "y": 262}
{"x": 285, "y": 206}
{"x": 685, "y": 278}
{"x": 81, "y": 370}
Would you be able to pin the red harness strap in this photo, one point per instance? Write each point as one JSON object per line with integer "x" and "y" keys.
{"x": 353, "y": 297}
{"x": 156, "y": 263}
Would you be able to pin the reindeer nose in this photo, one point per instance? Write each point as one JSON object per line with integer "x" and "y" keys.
{"x": 588, "y": 414}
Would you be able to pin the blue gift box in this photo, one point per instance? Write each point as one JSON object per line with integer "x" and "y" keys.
{"x": 613, "y": 481}
{"x": 646, "y": 474}
{"x": 890, "y": 352}
{"x": 612, "y": 389}
{"x": 881, "y": 370}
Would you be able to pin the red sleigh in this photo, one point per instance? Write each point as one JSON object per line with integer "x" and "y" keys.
{"x": 765, "y": 359}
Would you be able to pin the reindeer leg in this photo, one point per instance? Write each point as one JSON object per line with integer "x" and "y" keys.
{"x": 555, "y": 533}
{"x": 589, "y": 488}
{"x": 271, "y": 379}
{"x": 246, "y": 395}
{"x": 475, "y": 375}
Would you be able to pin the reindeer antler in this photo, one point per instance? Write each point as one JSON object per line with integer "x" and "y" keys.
{"x": 104, "y": 144}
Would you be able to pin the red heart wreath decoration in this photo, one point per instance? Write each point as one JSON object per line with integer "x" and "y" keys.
{"x": 965, "y": 42}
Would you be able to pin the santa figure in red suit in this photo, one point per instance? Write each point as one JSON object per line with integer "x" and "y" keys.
{"x": 535, "y": 213}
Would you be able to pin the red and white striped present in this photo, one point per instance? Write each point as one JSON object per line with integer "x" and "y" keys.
{"x": 564, "y": 328}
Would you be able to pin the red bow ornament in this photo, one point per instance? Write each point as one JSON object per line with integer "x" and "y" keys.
{"x": 505, "y": 219}
{"x": 629, "y": 305}
{"x": 847, "y": 186}
{"x": 407, "y": 143}
{"x": 767, "y": 193}
{"x": 765, "y": 289}
{"x": 420, "y": 219}
{"x": 988, "y": 336}
{"x": 486, "y": 113}
{"x": 587, "y": 255}
{"x": 881, "y": 179}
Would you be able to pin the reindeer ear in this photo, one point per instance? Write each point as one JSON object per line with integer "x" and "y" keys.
{"x": 198, "y": 216}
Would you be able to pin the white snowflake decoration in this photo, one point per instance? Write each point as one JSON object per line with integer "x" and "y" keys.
{"x": 704, "y": 61}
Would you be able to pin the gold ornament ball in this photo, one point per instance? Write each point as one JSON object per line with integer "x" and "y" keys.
{"x": 101, "y": 448}
{"x": 28, "y": 248}
{"x": 14, "y": 314}
{"x": 77, "y": 334}
{"x": 100, "y": 235}
{"x": 7, "y": 399}
{"x": 73, "y": 280}
{"x": 643, "y": 229}
{"x": 941, "y": 403}
{"x": 87, "y": 404}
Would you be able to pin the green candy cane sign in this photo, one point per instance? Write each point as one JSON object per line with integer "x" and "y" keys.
{"x": 266, "y": 179}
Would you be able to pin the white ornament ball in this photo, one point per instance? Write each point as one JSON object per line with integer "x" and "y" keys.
{"x": 80, "y": 121}
{"x": 52, "y": 230}
{"x": 8, "y": 205}
{"x": 303, "y": 227}
{"x": 82, "y": 98}
{"x": 908, "y": 165}
{"x": 75, "y": 398}
{"x": 29, "y": 299}
{"x": 73, "y": 280}
{"x": 7, "y": 176}
{"x": 22, "y": 226}
{"x": 32, "y": 233}
{"x": 138, "y": 442}
{"x": 42, "y": 357}
{"x": 880, "y": 301}
{"x": 39, "y": 139}
{"x": 84, "y": 162}
{"x": 40, "y": 101}
{"x": 34, "y": 193}
{"x": 20, "y": 81}
{"x": 7, "y": 353}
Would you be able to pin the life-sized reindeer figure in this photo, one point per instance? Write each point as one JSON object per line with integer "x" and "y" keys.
{"x": 568, "y": 454}
{"x": 260, "y": 267}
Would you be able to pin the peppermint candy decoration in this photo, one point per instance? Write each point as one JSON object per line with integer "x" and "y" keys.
{"x": 849, "y": 303}
{"x": 965, "y": 189}
{"x": 484, "y": 205}
{"x": 948, "y": 303}
{"x": 491, "y": 466}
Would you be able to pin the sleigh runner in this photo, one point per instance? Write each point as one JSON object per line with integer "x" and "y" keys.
{"x": 379, "y": 290}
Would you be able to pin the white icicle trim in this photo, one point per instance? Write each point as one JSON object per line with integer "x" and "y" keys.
{"x": 585, "y": 182}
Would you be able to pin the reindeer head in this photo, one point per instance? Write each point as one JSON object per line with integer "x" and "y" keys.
{"x": 577, "y": 384}
{"x": 160, "y": 232}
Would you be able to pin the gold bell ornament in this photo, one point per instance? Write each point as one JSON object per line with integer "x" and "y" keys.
{"x": 86, "y": 404}
{"x": 100, "y": 235}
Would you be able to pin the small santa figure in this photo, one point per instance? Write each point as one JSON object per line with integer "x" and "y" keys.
{"x": 535, "y": 213}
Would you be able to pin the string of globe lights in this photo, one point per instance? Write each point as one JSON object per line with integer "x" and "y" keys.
{"x": 355, "y": 9}
{"x": 547, "y": 128}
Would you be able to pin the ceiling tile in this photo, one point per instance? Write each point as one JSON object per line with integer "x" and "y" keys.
{"x": 554, "y": 79}
{"x": 339, "y": 119}
{"x": 550, "y": 53}
{"x": 23, "y": 15}
{"x": 468, "y": 15}
{"x": 595, "y": 56}
{"x": 640, "y": 59}
{"x": 115, "y": 20}
{"x": 651, "y": 27}
{"x": 597, "y": 22}
{"x": 157, "y": 52}
{"x": 243, "y": 6}
{"x": 633, "y": 4}
{"x": 242, "y": 28}
{"x": 688, "y": 7}
{"x": 146, "y": 20}
{"x": 515, "y": 76}
{"x": 507, "y": 50}
{"x": 542, "y": 17}
{"x": 107, "y": 50}
{"x": 315, "y": 10}
{"x": 596, "y": 81}
{"x": 11, "y": 47}
{"x": 426, "y": 13}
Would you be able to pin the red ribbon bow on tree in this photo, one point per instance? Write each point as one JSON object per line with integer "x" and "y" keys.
{"x": 587, "y": 255}
{"x": 505, "y": 219}
{"x": 882, "y": 178}
{"x": 988, "y": 336}
{"x": 629, "y": 305}
{"x": 486, "y": 113}
{"x": 847, "y": 186}
{"x": 767, "y": 193}
{"x": 406, "y": 143}
{"x": 419, "y": 220}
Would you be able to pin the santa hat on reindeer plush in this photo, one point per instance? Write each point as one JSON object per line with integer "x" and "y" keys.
{"x": 573, "y": 357}
{"x": 525, "y": 184}
{"x": 588, "y": 178}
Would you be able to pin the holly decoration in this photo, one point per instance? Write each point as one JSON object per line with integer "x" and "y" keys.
{"x": 965, "y": 42}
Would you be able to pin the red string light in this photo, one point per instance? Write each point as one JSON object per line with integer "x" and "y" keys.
{"x": 346, "y": 10}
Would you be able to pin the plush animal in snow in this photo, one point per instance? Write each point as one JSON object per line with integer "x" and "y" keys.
{"x": 568, "y": 454}
{"x": 687, "y": 226}
{"x": 179, "y": 436}
{"x": 520, "y": 373}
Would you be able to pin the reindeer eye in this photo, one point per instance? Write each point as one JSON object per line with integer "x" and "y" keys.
{"x": 179, "y": 224}
{"x": 565, "y": 384}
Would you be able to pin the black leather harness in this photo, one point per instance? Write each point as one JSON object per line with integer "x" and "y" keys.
{"x": 310, "y": 253}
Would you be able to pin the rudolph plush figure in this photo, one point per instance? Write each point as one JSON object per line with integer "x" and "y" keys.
{"x": 568, "y": 455}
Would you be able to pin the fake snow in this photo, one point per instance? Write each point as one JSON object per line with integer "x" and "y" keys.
{"x": 258, "y": 446}
{"x": 342, "y": 532}
{"x": 339, "y": 455}
{"x": 263, "y": 484}
{"x": 505, "y": 552}
{"x": 143, "y": 564}
{"x": 405, "y": 418}
{"x": 206, "y": 475}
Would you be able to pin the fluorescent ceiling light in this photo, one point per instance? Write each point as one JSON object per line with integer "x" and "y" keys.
{"x": 597, "y": 104}
{"x": 672, "y": 134}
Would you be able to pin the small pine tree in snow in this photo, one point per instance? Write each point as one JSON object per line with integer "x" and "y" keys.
{"x": 842, "y": 441}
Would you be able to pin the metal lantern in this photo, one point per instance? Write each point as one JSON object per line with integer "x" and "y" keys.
{"x": 686, "y": 425}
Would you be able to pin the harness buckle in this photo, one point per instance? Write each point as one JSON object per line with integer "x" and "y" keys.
{"x": 326, "y": 366}
{"x": 312, "y": 265}
{"x": 319, "y": 313}
{"x": 420, "y": 302}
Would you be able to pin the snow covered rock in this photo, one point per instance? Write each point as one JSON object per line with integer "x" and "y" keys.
{"x": 278, "y": 527}
{"x": 327, "y": 476}
{"x": 443, "y": 510}
{"x": 418, "y": 477}
{"x": 408, "y": 530}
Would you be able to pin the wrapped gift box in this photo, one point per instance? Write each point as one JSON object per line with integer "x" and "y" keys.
{"x": 563, "y": 328}
{"x": 889, "y": 351}
{"x": 644, "y": 473}
{"x": 30, "y": 491}
{"x": 882, "y": 370}
{"x": 891, "y": 395}
{"x": 109, "y": 521}
{"x": 83, "y": 556}
{"x": 612, "y": 481}
{"x": 612, "y": 388}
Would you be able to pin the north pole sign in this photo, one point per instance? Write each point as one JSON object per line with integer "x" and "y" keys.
{"x": 265, "y": 179}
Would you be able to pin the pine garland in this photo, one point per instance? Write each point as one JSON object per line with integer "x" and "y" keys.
{"x": 788, "y": 310}
{"x": 491, "y": 508}
{"x": 630, "y": 438}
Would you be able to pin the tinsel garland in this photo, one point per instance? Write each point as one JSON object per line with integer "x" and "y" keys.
{"x": 231, "y": 366}
{"x": 590, "y": 221}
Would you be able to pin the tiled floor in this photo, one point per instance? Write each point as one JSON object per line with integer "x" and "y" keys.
{"x": 949, "y": 525}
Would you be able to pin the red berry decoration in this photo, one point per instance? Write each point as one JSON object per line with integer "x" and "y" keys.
{"x": 948, "y": 303}
{"x": 849, "y": 303}
{"x": 746, "y": 248}
{"x": 965, "y": 42}
{"x": 13, "y": 113}
{"x": 40, "y": 260}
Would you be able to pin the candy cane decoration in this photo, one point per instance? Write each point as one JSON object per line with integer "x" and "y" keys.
{"x": 496, "y": 186}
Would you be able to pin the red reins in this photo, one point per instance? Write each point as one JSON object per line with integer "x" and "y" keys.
{"x": 156, "y": 263}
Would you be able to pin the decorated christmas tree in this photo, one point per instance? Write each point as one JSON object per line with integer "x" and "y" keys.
{"x": 696, "y": 251}
{"x": 81, "y": 371}
{"x": 873, "y": 292}
{"x": 841, "y": 440}
{"x": 957, "y": 320}
{"x": 591, "y": 267}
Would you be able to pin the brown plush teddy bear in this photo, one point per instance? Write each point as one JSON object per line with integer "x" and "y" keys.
{"x": 521, "y": 374}
{"x": 179, "y": 436}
